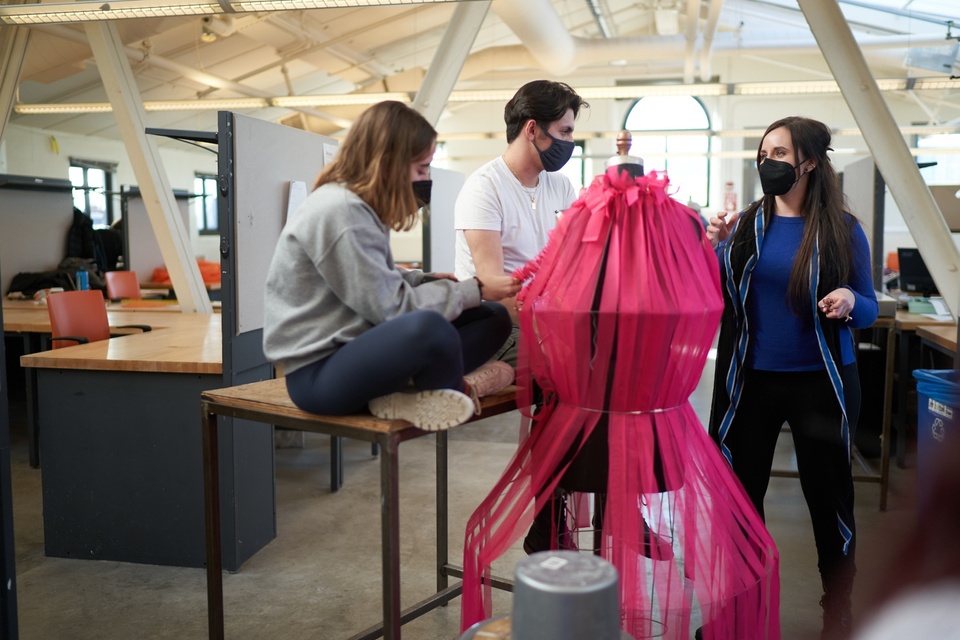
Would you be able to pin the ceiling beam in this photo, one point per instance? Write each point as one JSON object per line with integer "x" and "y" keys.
{"x": 890, "y": 152}
{"x": 449, "y": 58}
{"x": 121, "y": 87}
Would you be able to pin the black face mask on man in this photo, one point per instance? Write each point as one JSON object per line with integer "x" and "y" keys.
{"x": 421, "y": 191}
{"x": 557, "y": 154}
{"x": 776, "y": 177}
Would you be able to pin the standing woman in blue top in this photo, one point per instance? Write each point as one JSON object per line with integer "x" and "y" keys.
{"x": 795, "y": 269}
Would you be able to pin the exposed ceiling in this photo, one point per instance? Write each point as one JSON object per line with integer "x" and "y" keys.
{"x": 587, "y": 43}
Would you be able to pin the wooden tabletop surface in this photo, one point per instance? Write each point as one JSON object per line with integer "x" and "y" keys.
{"x": 178, "y": 343}
{"x": 907, "y": 321}
{"x": 943, "y": 335}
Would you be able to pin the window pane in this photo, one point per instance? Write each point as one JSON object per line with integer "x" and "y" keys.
{"x": 211, "y": 207}
{"x": 574, "y": 168}
{"x": 98, "y": 208}
{"x": 76, "y": 176}
{"x": 80, "y": 199}
{"x": 683, "y": 157}
{"x": 96, "y": 178}
{"x": 658, "y": 113}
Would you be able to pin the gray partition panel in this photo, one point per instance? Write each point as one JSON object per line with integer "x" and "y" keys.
{"x": 267, "y": 158}
{"x": 33, "y": 231}
{"x": 142, "y": 249}
{"x": 257, "y": 162}
{"x": 439, "y": 239}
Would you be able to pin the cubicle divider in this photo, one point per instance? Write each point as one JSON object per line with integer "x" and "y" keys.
{"x": 141, "y": 251}
{"x": 262, "y": 167}
{"x": 35, "y": 217}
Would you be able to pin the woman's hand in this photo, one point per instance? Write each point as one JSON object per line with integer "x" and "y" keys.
{"x": 838, "y": 304}
{"x": 496, "y": 288}
{"x": 443, "y": 276}
{"x": 720, "y": 228}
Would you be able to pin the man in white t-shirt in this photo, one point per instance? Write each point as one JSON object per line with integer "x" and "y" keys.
{"x": 508, "y": 207}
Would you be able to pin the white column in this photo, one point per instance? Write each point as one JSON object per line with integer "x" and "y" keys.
{"x": 449, "y": 59}
{"x": 124, "y": 96}
{"x": 890, "y": 151}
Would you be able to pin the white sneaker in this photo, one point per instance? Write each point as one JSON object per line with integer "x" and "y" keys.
{"x": 432, "y": 410}
{"x": 489, "y": 378}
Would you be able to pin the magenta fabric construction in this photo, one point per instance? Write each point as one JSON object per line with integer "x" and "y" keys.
{"x": 617, "y": 319}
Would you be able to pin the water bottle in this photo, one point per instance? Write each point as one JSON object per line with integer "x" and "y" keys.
{"x": 83, "y": 280}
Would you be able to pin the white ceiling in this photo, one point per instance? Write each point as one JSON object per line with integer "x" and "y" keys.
{"x": 336, "y": 51}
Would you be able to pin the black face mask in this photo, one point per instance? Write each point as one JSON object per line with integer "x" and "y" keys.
{"x": 557, "y": 154}
{"x": 776, "y": 177}
{"x": 421, "y": 191}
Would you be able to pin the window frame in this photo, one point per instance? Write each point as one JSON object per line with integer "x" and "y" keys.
{"x": 109, "y": 170}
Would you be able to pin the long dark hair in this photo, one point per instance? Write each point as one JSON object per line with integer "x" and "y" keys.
{"x": 374, "y": 160}
{"x": 824, "y": 207}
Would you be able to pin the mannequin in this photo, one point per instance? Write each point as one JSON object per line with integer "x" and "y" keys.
{"x": 623, "y": 160}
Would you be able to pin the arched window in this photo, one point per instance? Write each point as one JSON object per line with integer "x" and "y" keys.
{"x": 682, "y": 150}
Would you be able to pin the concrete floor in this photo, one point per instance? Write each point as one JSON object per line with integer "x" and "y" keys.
{"x": 320, "y": 578}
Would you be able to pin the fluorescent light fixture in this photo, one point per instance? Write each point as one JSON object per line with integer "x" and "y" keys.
{"x": 807, "y": 87}
{"x": 65, "y": 107}
{"x": 936, "y": 83}
{"x": 338, "y": 100}
{"x": 626, "y": 92}
{"x": 218, "y": 104}
{"x": 86, "y": 11}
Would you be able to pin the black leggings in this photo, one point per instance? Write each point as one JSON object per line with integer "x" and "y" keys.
{"x": 421, "y": 346}
{"x": 805, "y": 400}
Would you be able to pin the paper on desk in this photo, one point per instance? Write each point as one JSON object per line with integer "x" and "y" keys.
{"x": 942, "y": 313}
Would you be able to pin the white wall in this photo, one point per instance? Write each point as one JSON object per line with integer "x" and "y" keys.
{"x": 31, "y": 152}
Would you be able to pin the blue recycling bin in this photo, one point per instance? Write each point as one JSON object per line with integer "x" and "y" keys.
{"x": 938, "y": 421}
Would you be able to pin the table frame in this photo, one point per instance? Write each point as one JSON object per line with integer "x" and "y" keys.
{"x": 233, "y": 402}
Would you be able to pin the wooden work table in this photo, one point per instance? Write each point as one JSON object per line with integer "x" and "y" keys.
{"x": 942, "y": 336}
{"x": 121, "y": 446}
{"x": 178, "y": 343}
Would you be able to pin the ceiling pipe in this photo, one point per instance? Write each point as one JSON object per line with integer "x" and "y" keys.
{"x": 709, "y": 33}
{"x": 690, "y": 36}
{"x": 539, "y": 27}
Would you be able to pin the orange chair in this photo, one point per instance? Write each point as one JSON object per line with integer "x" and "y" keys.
{"x": 79, "y": 317}
{"x": 76, "y": 317}
{"x": 123, "y": 284}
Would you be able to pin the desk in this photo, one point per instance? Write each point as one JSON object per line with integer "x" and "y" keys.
{"x": 30, "y": 321}
{"x": 906, "y": 326}
{"x": 269, "y": 402}
{"x": 122, "y": 471}
{"x": 942, "y": 338}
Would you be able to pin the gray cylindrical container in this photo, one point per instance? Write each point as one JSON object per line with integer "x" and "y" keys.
{"x": 565, "y": 595}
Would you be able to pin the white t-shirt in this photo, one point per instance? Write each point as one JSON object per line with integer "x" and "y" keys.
{"x": 492, "y": 199}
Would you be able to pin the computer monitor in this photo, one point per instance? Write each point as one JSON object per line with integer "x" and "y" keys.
{"x": 914, "y": 275}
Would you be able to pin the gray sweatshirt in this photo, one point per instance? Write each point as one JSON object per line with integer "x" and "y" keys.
{"x": 332, "y": 277}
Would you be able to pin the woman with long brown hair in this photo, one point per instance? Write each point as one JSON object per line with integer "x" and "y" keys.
{"x": 352, "y": 329}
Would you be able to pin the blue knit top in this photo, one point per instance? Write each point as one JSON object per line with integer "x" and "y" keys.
{"x": 780, "y": 340}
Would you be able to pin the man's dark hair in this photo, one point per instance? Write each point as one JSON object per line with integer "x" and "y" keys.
{"x": 542, "y": 100}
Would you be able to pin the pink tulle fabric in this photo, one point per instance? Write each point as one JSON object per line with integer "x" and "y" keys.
{"x": 616, "y": 324}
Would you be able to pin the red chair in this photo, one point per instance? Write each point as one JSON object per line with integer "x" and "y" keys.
{"x": 123, "y": 284}
{"x": 79, "y": 317}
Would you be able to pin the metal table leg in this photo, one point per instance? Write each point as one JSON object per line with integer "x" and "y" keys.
{"x": 211, "y": 499}
{"x": 390, "y": 534}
